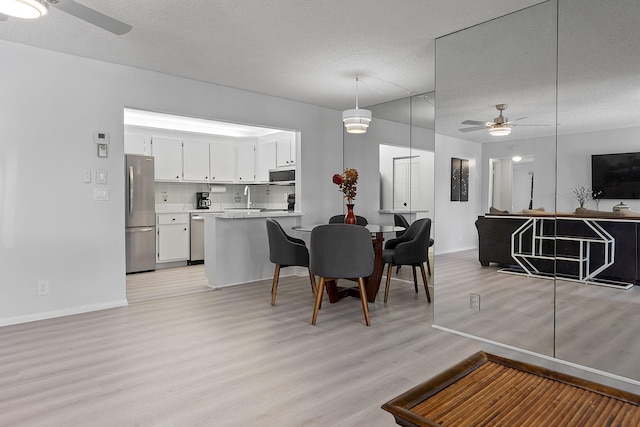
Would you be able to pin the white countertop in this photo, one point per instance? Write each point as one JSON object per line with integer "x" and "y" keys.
{"x": 232, "y": 214}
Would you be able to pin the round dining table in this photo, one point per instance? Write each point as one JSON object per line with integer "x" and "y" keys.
{"x": 372, "y": 283}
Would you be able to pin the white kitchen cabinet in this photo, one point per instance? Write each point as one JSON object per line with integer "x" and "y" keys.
{"x": 168, "y": 158}
{"x": 286, "y": 152}
{"x": 137, "y": 144}
{"x": 222, "y": 161}
{"x": 266, "y": 160}
{"x": 173, "y": 237}
{"x": 195, "y": 161}
{"x": 246, "y": 162}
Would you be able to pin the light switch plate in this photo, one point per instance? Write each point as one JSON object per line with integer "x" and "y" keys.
{"x": 100, "y": 194}
{"x": 102, "y": 150}
{"x": 101, "y": 176}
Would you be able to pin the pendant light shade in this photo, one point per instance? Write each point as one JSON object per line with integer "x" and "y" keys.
{"x": 27, "y": 9}
{"x": 356, "y": 120}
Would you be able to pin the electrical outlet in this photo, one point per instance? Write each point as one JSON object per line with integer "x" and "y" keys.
{"x": 474, "y": 302}
{"x": 42, "y": 287}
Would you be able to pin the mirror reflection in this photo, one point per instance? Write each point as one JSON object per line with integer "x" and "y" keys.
{"x": 493, "y": 105}
{"x": 406, "y": 179}
{"x": 395, "y": 162}
{"x": 580, "y": 224}
{"x": 598, "y": 134}
{"x": 511, "y": 183}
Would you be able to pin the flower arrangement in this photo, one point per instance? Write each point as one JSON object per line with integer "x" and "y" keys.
{"x": 347, "y": 183}
{"x": 582, "y": 194}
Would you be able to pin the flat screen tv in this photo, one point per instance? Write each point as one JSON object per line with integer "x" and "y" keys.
{"x": 616, "y": 176}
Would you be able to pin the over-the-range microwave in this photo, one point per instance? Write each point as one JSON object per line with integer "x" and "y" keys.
{"x": 284, "y": 176}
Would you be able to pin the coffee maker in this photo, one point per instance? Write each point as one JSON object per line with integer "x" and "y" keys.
{"x": 291, "y": 201}
{"x": 203, "y": 200}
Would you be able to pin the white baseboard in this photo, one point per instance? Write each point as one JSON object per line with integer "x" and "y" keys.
{"x": 59, "y": 313}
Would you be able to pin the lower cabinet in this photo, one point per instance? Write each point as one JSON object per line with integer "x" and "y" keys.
{"x": 173, "y": 237}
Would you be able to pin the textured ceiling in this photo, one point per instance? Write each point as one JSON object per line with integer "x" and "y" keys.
{"x": 304, "y": 50}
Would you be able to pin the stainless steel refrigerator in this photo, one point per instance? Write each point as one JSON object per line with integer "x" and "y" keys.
{"x": 140, "y": 213}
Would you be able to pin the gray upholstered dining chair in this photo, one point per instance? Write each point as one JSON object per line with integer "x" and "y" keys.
{"x": 286, "y": 251}
{"x": 341, "y": 251}
{"x": 401, "y": 221}
{"x": 339, "y": 219}
{"x": 409, "y": 249}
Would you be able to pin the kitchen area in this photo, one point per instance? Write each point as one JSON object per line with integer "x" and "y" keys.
{"x": 204, "y": 174}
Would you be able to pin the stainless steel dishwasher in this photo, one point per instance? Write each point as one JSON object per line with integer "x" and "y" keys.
{"x": 197, "y": 239}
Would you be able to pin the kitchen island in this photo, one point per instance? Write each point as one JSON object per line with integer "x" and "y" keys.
{"x": 237, "y": 246}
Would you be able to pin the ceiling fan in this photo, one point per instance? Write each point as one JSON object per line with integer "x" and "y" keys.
{"x": 500, "y": 126}
{"x": 36, "y": 8}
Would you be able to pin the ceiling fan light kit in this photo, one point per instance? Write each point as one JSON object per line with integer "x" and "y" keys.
{"x": 32, "y": 9}
{"x": 500, "y": 126}
{"x": 500, "y": 130}
{"x": 26, "y": 9}
{"x": 356, "y": 120}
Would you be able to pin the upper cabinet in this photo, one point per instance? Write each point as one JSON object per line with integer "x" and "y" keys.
{"x": 137, "y": 144}
{"x": 195, "y": 161}
{"x": 212, "y": 158}
{"x": 168, "y": 159}
{"x": 222, "y": 161}
{"x": 266, "y": 160}
{"x": 286, "y": 152}
{"x": 246, "y": 162}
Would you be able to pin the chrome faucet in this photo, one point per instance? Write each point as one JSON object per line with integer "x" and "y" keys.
{"x": 247, "y": 192}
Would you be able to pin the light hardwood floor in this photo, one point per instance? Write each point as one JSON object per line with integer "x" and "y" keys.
{"x": 222, "y": 358}
{"x": 165, "y": 283}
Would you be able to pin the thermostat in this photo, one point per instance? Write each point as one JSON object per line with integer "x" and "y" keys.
{"x": 101, "y": 137}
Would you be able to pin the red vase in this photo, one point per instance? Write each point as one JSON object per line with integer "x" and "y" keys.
{"x": 350, "y": 217}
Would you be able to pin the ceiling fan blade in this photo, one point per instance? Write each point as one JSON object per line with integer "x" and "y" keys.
{"x": 476, "y": 122}
{"x": 514, "y": 120}
{"x": 3, "y": 17}
{"x": 472, "y": 129}
{"x": 93, "y": 17}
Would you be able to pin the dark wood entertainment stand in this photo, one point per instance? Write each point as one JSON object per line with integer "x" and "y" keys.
{"x": 562, "y": 235}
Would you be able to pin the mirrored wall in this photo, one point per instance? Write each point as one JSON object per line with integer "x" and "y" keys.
{"x": 395, "y": 161}
{"x": 555, "y": 262}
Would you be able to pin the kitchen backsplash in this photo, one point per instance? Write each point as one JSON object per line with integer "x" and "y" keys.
{"x": 174, "y": 195}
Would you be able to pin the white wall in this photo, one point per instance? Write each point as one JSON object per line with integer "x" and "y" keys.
{"x": 50, "y": 226}
{"x": 454, "y": 224}
{"x": 574, "y": 163}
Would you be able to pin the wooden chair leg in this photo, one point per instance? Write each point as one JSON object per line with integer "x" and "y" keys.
{"x": 274, "y": 285}
{"x": 398, "y": 269}
{"x": 429, "y": 266}
{"x": 426, "y": 283}
{"x": 312, "y": 277}
{"x": 316, "y": 306}
{"x": 386, "y": 288}
{"x": 363, "y": 298}
{"x": 415, "y": 278}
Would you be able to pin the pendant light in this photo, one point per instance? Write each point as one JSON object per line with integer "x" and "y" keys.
{"x": 27, "y": 9}
{"x": 356, "y": 120}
